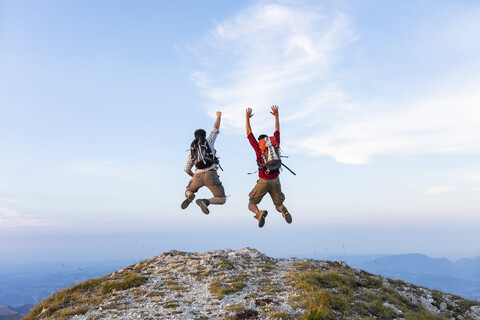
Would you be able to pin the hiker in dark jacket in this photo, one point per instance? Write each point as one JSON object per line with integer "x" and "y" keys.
{"x": 268, "y": 181}
{"x": 205, "y": 176}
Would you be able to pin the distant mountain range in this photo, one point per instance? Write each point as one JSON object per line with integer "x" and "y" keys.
{"x": 10, "y": 313}
{"x": 22, "y": 284}
{"x": 461, "y": 278}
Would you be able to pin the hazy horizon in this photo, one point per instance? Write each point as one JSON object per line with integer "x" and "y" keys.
{"x": 322, "y": 242}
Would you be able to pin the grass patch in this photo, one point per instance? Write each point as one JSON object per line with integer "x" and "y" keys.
{"x": 303, "y": 266}
{"x": 235, "y": 307}
{"x": 219, "y": 289}
{"x": 266, "y": 266}
{"x": 342, "y": 293}
{"x": 224, "y": 263}
{"x": 77, "y": 299}
{"x": 130, "y": 281}
{"x": 154, "y": 294}
{"x": 423, "y": 315}
{"x": 311, "y": 297}
{"x": 279, "y": 315}
{"x": 175, "y": 286}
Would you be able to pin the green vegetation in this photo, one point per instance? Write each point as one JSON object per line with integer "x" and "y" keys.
{"x": 78, "y": 299}
{"x": 224, "y": 263}
{"x": 266, "y": 266}
{"x": 342, "y": 293}
{"x": 175, "y": 286}
{"x": 130, "y": 281}
{"x": 279, "y": 315}
{"x": 155, "y": 294}
{"x": 218, "y": 288}
{"x": 235, "y": 307}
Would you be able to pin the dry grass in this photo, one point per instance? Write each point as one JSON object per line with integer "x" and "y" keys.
{"x": 78, "y": 299}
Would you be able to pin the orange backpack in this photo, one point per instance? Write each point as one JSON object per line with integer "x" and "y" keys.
{"x": 270, "y": 154}
{"x": 262, "y": 144}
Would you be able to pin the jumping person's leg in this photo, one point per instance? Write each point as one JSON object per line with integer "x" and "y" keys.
{"x": 278, "y": 198}
{"x": 212, "y": 182}
{"x": 255, "y": 196}
{"x": 192, "y": 187}
{"x": 189, "y": 196}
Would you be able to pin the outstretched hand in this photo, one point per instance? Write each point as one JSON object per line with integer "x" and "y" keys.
{"x": 219, "y": 114}
{"x": 274, "y": 110}
{"x": 249, "y": 113}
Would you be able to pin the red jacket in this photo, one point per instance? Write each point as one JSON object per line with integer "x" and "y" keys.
{"x": 261, "y": 172}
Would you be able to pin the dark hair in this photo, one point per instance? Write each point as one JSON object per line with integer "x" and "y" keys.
{"x": 262, "y": 136}
{"x": 200, "y": 133}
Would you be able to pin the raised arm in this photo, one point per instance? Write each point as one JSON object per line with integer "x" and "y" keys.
{"x": 217, "y": 122}
{"x": 275, "y": 113}
{"x": 249, "y": 114}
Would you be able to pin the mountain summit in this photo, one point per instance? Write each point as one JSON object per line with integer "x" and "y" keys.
{"x": 245, "y": 284}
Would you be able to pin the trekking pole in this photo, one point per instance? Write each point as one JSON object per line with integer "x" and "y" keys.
{"x": 289, "y": 169}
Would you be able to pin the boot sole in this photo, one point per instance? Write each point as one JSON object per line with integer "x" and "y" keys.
{"x": 187, "y": 202}
{"x": 288, "y": 217}
{"x": 202, "y": 206}
{"x": 261, "y": 221}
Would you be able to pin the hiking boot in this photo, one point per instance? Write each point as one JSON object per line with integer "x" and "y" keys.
{"x": 203, "y": 204}
{"x": 287, "y": 216}
{"x": 187, "y": 201}
{"x": 260, "y": 216}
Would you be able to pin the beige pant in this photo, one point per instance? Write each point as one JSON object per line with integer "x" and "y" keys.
{"x": 263, "y": 187}
{"x": 211, "y": 180}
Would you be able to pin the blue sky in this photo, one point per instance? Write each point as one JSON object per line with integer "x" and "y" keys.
{"x": 379, "y": 107}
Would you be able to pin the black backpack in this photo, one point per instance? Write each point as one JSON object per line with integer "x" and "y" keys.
{"x": 202, "y": 154}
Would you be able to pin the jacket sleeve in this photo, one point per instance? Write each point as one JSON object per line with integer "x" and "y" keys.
{"x": 189, "y": 165}
{"x": 253, "y": 141}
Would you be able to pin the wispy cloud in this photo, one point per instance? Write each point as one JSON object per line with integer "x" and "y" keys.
{"x": 473, "y": 175}
{"x": 447, "y": 123}
{"x": 287, "y": 52}
{"x": 440, "y": 190}
{"x": 106, "y": 169}
{"x": 272, "y": 53}
{"x": 7, "y": 200}
{"x": 12, "y": 219}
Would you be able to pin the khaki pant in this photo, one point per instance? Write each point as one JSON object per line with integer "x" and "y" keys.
{"x": 209, "y": 179}
{"x": 263, "y": 187}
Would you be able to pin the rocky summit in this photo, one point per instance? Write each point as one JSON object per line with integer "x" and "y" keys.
{"x": 245, "y": 284}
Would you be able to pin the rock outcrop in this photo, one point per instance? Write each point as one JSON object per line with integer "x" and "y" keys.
{"x": 245, "y": 284}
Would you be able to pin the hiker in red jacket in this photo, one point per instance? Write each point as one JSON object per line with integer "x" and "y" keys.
{"x": 268, "y": 181}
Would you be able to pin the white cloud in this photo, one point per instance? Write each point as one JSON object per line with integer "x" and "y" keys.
{"x": 271, "y": 53}
{"x": 105, "y": 169}
{"x": 8, "y": 200}
{"x": 447, "y": 123}
{"x": 473, "y": 175}
{"x": 12, "y": 219}
{"x": 286, "y": 53}
{"x": 439, "y": 190}
{"x": 477, "y": 189}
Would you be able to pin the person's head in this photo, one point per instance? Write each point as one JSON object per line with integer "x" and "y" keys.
{"x": 262, "y": 136}
{"x": 200, "y": 134}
